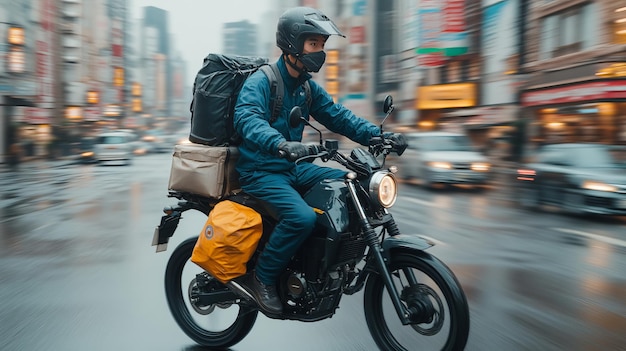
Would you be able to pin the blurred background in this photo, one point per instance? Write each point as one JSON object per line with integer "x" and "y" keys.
{"x": 525, "y": 197}
{"x": 531, "y": 71}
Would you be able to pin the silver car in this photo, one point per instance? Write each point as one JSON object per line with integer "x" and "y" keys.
{"x": 114, "y": 146}
{"x": 443, "y": 158}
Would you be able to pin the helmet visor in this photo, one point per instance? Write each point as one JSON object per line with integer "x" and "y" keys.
{"x": 327, "y": 26}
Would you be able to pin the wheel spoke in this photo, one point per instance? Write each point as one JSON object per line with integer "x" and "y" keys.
{"x": 441, "y": 319}
{"x": 209, "y": 326}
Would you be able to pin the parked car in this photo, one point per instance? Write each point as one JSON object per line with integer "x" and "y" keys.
{"x": 114, "y": 146}
{"x": 443, "y": 158}
{"x": 575, "y": 177}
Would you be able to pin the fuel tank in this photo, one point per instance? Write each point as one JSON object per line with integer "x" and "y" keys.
{"x": 329, "y": 200}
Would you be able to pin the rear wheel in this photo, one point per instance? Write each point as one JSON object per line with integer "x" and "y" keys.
{"x": 219, "y": 325}
{"x": 427, "y": 285}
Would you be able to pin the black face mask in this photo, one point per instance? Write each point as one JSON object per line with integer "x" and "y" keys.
{"x": 314, "y": 61}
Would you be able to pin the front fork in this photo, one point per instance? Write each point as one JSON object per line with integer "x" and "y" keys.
{"x": 376, "y": 250}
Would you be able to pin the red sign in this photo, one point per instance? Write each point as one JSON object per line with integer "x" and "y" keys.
{"x": 357, "y": 35}
{"x": 36, "y": 115}
{"x": 92, "y": 113}
{"x": 576, "y": 93}
{"x": 46, "y": 15}
{"x": 117, "y": 50}
{"x": 430, "y": 60}
{"x": 453, "y": 16}
{"x": 309, "y": 3}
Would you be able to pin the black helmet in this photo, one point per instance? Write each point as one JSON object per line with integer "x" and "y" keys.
{"x": 295, "y": 24}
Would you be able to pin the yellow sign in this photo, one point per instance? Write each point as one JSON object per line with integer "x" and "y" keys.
{"x": 446, "y": 96}
{"x": 137, "y": 105}
{"x": 332, "y": 72}
{"x": 332, "y": 87}
{"x": 332, "y": 57}
{"x": 118, "y": 77}
{"x": 16, "y": 36}
{"x": 136, "y": 89}
{"x": 93, "y": 97}
{"x": 74, "y": 113}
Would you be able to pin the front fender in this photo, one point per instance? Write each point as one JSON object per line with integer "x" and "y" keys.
{"x": 405, "y": 241}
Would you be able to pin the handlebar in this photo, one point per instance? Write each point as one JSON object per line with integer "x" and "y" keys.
{"x": 312, "y": 150}
{"x": 378, "y": 145}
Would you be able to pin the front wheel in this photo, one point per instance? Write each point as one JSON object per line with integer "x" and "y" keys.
{"x": 218, "y": 325}
{"x": 427, "y": 285}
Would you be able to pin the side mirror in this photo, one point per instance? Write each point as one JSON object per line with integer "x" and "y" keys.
{"x": 387, "y": 109}
{"x": 295, "y": 117}
{"x": 387, "y": 104}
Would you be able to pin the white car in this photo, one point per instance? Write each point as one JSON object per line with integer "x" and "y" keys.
{"x": 443, "y": 158}
{"x": 114, "y": 146}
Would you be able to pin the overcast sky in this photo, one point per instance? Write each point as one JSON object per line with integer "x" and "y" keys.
{"x": 196, "y": 24}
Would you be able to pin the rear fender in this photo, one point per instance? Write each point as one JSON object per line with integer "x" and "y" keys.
{"x": 405, "y": 241}
{"x": 165, "y": 230}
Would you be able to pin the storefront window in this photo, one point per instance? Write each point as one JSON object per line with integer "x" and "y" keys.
{"x": 595, "y": 123}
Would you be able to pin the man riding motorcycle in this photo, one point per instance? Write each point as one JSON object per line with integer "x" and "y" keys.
{"x": 264, "y": 173}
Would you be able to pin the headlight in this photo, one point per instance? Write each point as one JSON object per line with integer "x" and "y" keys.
{"x": 87, "y": 154}
{"x": 442, "y": 165}
{"x": 480, "y": 166}
{"x": 599, "y": 186}
{"x": 384, "y": 189}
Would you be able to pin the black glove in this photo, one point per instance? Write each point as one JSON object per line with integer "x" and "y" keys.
{"x": 397, "y": 141}
{"x": 292, "y": 150}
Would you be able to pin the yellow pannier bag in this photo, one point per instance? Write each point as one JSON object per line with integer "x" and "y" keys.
{"x": 228, "y": 240}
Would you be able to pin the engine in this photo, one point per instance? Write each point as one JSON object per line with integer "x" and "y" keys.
{"x": 311, "y": 300}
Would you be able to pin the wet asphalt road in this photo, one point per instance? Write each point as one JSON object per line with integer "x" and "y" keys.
{"x": 77, "y": 271}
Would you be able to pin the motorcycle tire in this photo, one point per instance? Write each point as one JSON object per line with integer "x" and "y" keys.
{"x": 197, "y": 322}
{"x": 432, "y": 282}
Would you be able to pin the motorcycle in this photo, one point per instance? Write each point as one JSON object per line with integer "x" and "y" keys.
{"x": 411, "y": 299}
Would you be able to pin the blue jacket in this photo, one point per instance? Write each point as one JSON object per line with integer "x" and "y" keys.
{"x": 259, "y": 148}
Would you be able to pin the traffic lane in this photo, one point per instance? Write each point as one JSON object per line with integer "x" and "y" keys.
{"x": 94, "y": 275}
{"x": 527, "y": 283}
{"x": 139, "y": 324}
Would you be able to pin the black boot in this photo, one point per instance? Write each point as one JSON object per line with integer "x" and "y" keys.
{"x": 265, "y": 295}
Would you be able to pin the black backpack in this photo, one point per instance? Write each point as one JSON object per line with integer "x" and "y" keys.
{"x": 215, "y": 92}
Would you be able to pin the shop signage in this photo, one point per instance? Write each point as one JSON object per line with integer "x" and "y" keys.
{"x": 594, "y": 91}
{"x": 37, "y": 115}
{"x": 92, "y": 113}
{"x": 431, "y": 60}
{"x": 357, "y": 35}
{"x": 446, "y": 96}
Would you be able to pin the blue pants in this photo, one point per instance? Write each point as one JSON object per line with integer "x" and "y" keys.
{"x": 295, "y": 217}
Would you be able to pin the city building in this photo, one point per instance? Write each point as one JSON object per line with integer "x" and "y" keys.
{"x": 155, "y": 66}
{"x": 26, "y": 76}
{"x": 240, "y": 38}
{"x": 576, "y": 72}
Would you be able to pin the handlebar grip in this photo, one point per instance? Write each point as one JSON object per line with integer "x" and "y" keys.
{"x": 377, "y": 140}
{"x": 315, "y": 149}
